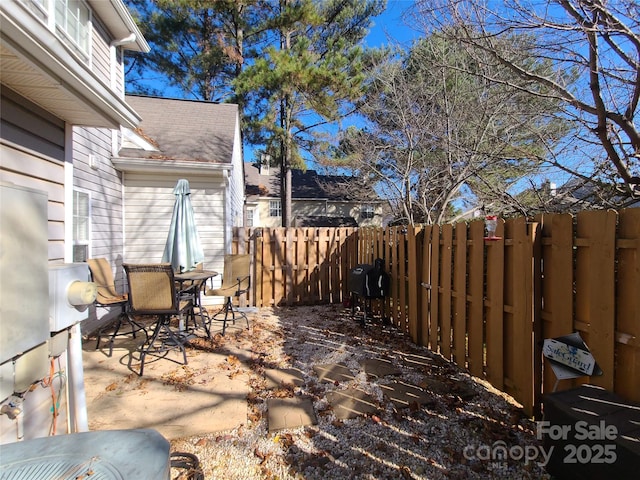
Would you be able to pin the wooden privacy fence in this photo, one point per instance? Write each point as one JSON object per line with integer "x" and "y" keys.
{"x": 484, "y": 304}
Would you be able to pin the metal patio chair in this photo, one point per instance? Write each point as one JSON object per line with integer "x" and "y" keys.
{"x": 152, "y": 292}
{"x": 236, "y": 280}
{"x": 108, "y": 296}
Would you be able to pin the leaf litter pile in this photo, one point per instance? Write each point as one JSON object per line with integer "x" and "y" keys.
{"x": 458, "y": 428}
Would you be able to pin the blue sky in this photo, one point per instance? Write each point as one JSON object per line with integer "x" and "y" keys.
{"x": 389, "y": 25}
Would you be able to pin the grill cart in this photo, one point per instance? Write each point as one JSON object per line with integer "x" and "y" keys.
{"x": 367, "y": 282}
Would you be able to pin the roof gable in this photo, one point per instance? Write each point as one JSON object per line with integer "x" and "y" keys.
{"x": 184, "y": 129}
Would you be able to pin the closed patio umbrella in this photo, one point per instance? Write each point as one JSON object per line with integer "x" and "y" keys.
{"x": 183, "y": 249}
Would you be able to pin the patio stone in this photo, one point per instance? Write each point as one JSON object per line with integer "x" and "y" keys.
{"x": 419, "y": 362}
{"x": 375, "y": 367}
{"x": 351, "y": 403}
{"x": 290, "y": 376}
{"x": 405, "y": 394}
{"x": 435, "y": 386}
{"x": 333, "y": 372}
{"x": 290, "y": 413}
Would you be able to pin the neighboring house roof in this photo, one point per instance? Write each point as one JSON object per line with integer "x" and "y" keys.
{"x": 326, "y": 221}
{"x": 183, "y": 130}
{"x": 304, "y": 184}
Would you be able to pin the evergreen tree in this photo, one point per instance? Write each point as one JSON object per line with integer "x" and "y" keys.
{"x": 197, "y": 46}
{"x": 306, "y": 79}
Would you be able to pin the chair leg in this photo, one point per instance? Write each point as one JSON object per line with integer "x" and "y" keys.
{"x": 228, "y": 307}
{"x": 121, "y": 319}
{"x": 203, "y": 313}
{"x": 230, "y": 314}
{"x": 162, "y": 325}
{"x": 117, "y": 324}
{"x": 149, "y": 343}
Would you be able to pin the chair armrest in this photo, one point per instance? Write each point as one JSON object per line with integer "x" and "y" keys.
{"x": 239, "y": 280}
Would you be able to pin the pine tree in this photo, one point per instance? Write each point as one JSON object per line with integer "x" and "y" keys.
{"x": 307, "y": 79}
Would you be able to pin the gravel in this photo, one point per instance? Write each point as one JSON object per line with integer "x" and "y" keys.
{"x": 454, "y": 434}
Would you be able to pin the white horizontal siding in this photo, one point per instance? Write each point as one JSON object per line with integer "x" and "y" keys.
{"x": 149, "y": 202}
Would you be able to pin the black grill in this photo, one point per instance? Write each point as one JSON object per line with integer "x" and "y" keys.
{"x": 367, "y": 282}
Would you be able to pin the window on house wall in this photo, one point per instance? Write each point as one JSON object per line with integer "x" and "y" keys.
{"x": 69, "y": 19}
{"x": 72, "y": 18}
{"x": 249, "y": 217}
{"x": 368, "y": 211}
{"x": 81, "y": 225}
{"x": 275, "y": 208}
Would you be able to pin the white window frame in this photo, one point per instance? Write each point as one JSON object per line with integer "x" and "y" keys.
{"x": 85, "y": 242}
{"x": 368, "y": 211}
{"x": 80, "y": 40}
{"x": 81, "y": 37}
{"x": 275, "y": 208}
{"x": 250, "y": 214}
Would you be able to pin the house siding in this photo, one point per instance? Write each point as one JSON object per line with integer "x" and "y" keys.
{"x": 306, "y": 208}
{"x": 94, "y": 146}
{"x": 40, "y": 150}
{"x": 148, "y": 207}
{"x": 104, "y": 184}
{"x": 101, "y": 52}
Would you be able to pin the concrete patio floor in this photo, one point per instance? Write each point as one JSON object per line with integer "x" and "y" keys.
{"x": 210, "y": 393}
{"x": 177, "y": 400}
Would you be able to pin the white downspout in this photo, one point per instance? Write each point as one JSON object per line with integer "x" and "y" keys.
{"x": 78, "y": 398}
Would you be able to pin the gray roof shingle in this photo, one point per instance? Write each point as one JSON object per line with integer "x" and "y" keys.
{"x": 305, "y": 184}
{"x": 185, "y": 129}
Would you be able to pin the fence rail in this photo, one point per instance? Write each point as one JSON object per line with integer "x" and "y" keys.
{"x": 484, "y": 304}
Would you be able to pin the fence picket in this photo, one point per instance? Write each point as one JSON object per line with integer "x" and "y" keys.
{"x": 412, "y": 285}
{"x": 627, "y": 355}
{"x": 475, "y": 320}
{"x": 557, "y": 283}
{"x": 494, "y": 313}
{"x": 425, "y": 285}
{"x": 445, "y": 291}
{"x": 595, "y": 295}
{"x": 434, "y": 315}
{"x": 460, "y": 296}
